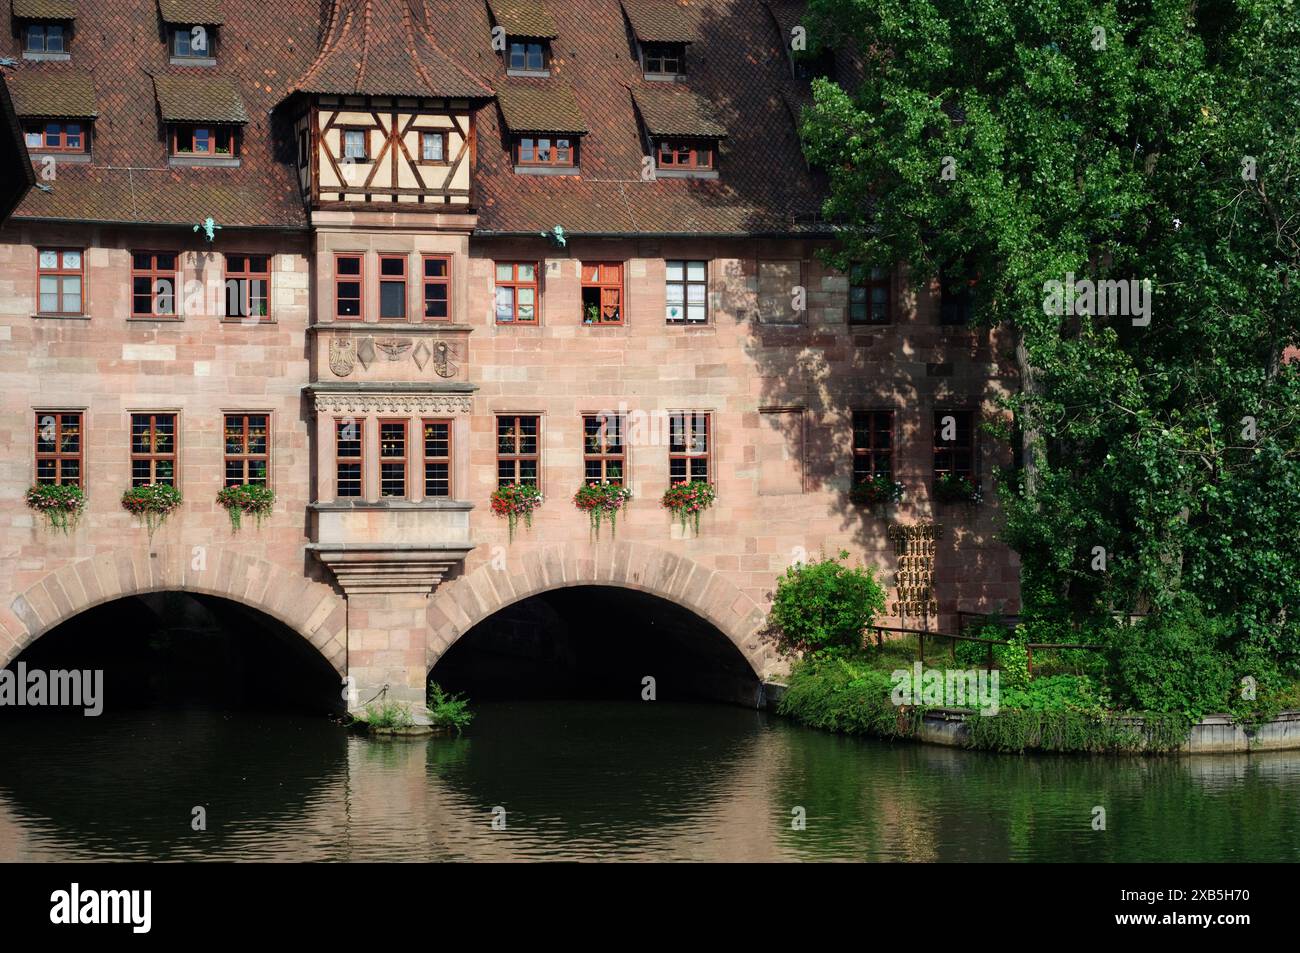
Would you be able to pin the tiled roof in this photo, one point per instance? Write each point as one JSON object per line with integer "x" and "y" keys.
{"x": 186, "y": 12}
{"x": 46, "y": 9}
{"x": 198, "y": 98}
{"x": 540, "y": 106}
{"x": 273, "y": 48}
{"x": 16, "y": 174}
{"x": 62, "y": 92}
{"x": 379, "y": 48}
{"x": 677, "y": 112}
{"x": 658, "y": 21}
{"x": 527, "y": 18}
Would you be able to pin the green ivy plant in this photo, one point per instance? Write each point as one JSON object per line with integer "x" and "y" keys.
{"x": 152, "y": 503}
{"x": 250, "y": 499}
{"x": 687, "y": 501}
{"x": 602, "y": 501}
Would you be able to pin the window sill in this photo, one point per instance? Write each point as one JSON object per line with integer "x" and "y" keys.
{"x": 193, "y": 61}
{"x": 546, "y": 170}
{"x": 141, "y": 319}
{"x": 247, "y": 322}
{"x": 393, "y": 503}
{"x": 62, "y": 317}
{"x": 429, "y": 326}
{"x": 685, "y": 174}
{"x": 180, "y": 162}
{"x": 665, "y": 77}
{"x": 527, "y": 73}
{"x": 41, "y": 154}
{"x": 46, "y": 57}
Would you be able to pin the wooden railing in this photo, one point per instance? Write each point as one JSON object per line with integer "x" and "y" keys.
{"x": 953, "y": 638}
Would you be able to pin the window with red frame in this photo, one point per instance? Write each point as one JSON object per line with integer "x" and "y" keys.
{"x": 516, "y": 292}
{"x": 546, "y": 151}
{"x": 873, "y": 444}
{"x": 683, "y": 154}
{"x": 688, "y": 447}
{"x": 153, "y": 284}
{"x": 604, "y": 457}
{"x": 248, "y": 449}
{"x": 153, "y": 449}
{"x": 437, "y": 287}
{"x": 57, "y": 136}
{"x": 59, "y": 447}
{"x": 954, "y": 443}
{"x": 59, "y": 277}
{"x": 517, "y": 450}
{"x": 392, "y": 458}
{"x": 220, "y": 142}
{"x": 348, "y": 286}
{"x": 349, "y": 458}
{"x": 602, "y": 293}
{"x": 437, "y": 458}
{"x": 248, "y": 287}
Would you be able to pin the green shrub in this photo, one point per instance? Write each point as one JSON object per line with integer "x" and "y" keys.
{"x": 448, "y": 710}
{"x": 389, "y": 715}
{"x": 824, "y": 607}
{"x": 1172, "y": 662}
{"x": 835, "y": 694}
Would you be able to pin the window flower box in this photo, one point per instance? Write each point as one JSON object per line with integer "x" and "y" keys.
{"x": 152, "y": 503}
{"x": 602, "y": 500}
{"x": 246, "y": 499}
{"x": 952, "y": 488}
{"x": 876, "y": 490}
{"x": 516, "y": 501}
{"x": 60, "y": 504}
{"x": 688, "y": 500}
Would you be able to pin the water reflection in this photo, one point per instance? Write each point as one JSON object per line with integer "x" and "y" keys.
{"x": 603, "y": 780}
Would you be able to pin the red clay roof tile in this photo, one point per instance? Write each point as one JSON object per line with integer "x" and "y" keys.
{"x": 271, "y": 48}
{"x": 677, "y": 112}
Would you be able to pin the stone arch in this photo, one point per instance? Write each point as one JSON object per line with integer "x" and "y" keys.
{"x": 457, "y": 606}
{"x": 312, "y": 609}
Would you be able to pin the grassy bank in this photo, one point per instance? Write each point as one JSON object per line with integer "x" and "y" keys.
{"x": 1061, "y": 711}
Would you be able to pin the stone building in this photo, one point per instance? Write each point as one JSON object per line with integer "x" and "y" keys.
{"x": 383, "y": 256}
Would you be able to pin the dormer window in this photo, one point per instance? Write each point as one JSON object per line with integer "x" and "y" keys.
{"x": 57, "y": 136}
{"x": 545, "y": 124}
{"x": 193, "y": 45}
{"x": 217, "y": 142}
{"x": 205, "y": 117}
{"x": 546, "y": 151}
{"x": 526, "y": 30}
{"x": 681, "y": 130}
{"x": 685, "y": 155}
{"x": 45, "y": 38}
{"x": 663, "y": 30}
{"x": 664, "y": 60}
{"x": 529, "y": 56}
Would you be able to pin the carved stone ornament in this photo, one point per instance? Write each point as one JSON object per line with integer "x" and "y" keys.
{"x": 442, "y": 359}
{"x": 394, "y": 403}
{"x": 343, "y": 356}
{"x": 393, "y": 348}
{"x": 366, "y": 351}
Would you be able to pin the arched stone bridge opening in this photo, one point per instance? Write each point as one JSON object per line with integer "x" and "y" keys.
{"x": 232, "y": 627}
{"x": 597, "y": 619}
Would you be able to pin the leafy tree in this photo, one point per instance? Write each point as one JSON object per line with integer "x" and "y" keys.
{"x": 1013, "y": 142}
